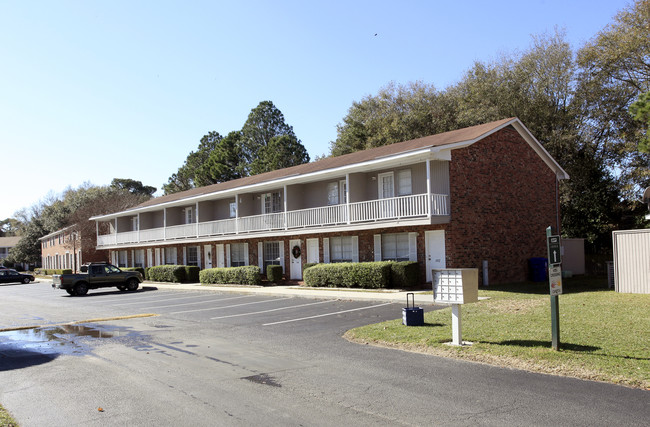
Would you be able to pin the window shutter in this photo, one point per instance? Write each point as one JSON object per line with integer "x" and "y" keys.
{"x": 174, "y": 255}
{"x": 281, "y": 245}
{"x": 413, "y": 247}
{"x": 228, "y": 264}
{"x": 377, "y": 247}
{"x": 260, "y": 256}
{"x": 245, "y": 253}
{"x": 326, "y": 250}
{"x": 184, "y": 255}
{"x": 355, "y": 248}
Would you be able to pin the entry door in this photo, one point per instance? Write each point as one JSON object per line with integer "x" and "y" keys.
{"x": 221, "y": 256}
{"x": 386, "y": 191}
{"x": 296, "y": 259}
{"x": 312, "y": 251}
{"x": 208, "y": 256}
{"x": 435, "y": 251}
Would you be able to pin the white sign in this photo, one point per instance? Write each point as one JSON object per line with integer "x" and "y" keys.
{"x": 555, "y": 279}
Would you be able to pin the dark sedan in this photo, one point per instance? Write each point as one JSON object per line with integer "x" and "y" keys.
{"x": 12, "y": 276}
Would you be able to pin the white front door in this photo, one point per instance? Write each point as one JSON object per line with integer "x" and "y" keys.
{"x": 296, "y": 259}
{"x": 435, "y": 251}
{"x": 208, "y": 256}
{"x": 221, "y": 263}
{"x": 312, "y": 251}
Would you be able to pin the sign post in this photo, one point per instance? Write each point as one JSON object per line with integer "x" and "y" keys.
{"x": 555, "y": 282}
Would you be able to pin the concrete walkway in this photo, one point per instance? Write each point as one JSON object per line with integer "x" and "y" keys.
{"x": 396, "y": 296}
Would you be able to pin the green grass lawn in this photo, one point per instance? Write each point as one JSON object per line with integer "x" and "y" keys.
{"x": 604, "y": 335}
{"x": 5, "y": 419}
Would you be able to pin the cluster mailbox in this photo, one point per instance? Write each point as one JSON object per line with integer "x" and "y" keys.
{"x": 455, "y": 286}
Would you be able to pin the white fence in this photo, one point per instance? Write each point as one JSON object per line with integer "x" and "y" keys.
{"x": 370, "y": 211}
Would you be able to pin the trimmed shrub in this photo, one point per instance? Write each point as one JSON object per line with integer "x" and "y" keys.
{"x": 248, "y": 275}
{"x": 167, "y": 273}
{"x": 192, "y": 274}
{"x": 368, "y": 275}
{"x": 274, "y": 273}
{"x": 146, "y": 273}
{"x": 138, "y": 269}
{"x": 309, "y": 264}
{"x": 404, "y": 274}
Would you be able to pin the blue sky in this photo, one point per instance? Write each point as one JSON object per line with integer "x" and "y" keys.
{"x": 94, "y": 90}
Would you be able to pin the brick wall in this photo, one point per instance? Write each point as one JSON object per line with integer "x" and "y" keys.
{"x": 502, "y": 199}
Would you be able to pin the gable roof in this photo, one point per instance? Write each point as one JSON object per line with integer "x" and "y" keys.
{"x": 445, "y": 141}
{"x": 9, "y": 242}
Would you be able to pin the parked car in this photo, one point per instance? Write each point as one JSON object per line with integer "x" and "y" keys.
{"x": 99, "y": 275}
{"x": 12, "y": 276}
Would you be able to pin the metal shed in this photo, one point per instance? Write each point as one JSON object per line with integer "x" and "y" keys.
{"x": 632, "y": 261}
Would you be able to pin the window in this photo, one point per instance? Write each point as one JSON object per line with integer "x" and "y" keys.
{"x": 341, "y": 249}
{"x": 386, "y": 186}
{"x": 271, "y": 202}
{"x": 336, "y": 193}
{"x": 192, "y": 255}
{"x": 122, "y": 259}
{"x": 170, "y": 256}
{"x": 189, "y": 218}
{"x": 395, "y": 247}
{"x": 271, "y": 254}
{"x": 134, "y": 223}
{"x": 333, "y": 193}
{"x": 139, "y": 258}
{"x": 233, "y": 210}
{"x": 404, "y": 182}
{"x": 238, "y": 254}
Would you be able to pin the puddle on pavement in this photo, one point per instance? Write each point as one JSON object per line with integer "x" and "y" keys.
{"x": 62, "y": 339}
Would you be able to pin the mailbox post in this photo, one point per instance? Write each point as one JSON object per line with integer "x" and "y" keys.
{"x": 455, "y": 286}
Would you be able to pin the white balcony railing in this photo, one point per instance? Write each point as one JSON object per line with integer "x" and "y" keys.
{"x": 370, "y": 211}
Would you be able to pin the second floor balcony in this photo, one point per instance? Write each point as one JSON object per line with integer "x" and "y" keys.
{"x": 386, "y": 210}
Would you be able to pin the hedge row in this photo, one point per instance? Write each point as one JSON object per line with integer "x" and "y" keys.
{"x": 274, "y": 273}
{"x": 173, "y": 273}
{"x": 138, "y": 269}
{"x": 51, "y": 271}
{"x": 367, "y": 275}
{"x": 248, "y": 275}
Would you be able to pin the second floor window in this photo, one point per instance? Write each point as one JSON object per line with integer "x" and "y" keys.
{"x": 271, "y": 202}
{"x": 189, "y": 218}
{"x": 404, "y": 187}
{"x": 233, "y": 210}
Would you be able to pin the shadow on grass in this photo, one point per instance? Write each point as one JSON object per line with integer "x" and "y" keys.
{"x": 569, "y": 286}
{"x": 547, "y": 344}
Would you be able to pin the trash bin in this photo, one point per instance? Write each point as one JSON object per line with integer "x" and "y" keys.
{"x": 412, "y": 315}
{"x": 538, "y": 269}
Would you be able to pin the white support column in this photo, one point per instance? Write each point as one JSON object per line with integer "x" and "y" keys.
{"x": 197, "y": 220}
{"x": 96, "y": 233}
{"x": 139, "y": 227}
{"x": 116, "y": 231}
{"x": 236, "y": 214}
{"x": 429, "y": 188}
{"x": 347, "y": 197}
{"x": 164, "y": 223}
{"x": 285, "y": 207}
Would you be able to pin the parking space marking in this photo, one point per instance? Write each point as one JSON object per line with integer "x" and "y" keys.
{"x": 326, "y": 314}
{"x": 198, "y": 302}
{"x": 163, "y": 299}
{"x": 271, "y": 310}
{"x": 130, "y": 296}
{"x": 229, "y": 306}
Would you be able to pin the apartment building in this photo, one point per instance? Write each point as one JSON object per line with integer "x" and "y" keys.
{"x": 451, "y": 200}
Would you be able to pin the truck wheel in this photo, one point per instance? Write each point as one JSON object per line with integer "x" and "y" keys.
{"x": 80, "y": 289}
{"x": 26, "y": 280}
{"x": 70, "y": 292}
{"x": 132, "y": 285}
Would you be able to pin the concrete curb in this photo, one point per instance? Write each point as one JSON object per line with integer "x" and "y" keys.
{"x": 315, "y": 293}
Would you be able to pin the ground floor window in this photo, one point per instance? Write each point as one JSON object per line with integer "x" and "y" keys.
{"x": 192, "y": 255}
{"x": 170, "y": 256}
{"x": 271, "y": 254}
{"x": 139, "y": 258}
{"x": 395, "y": 247}
{"x": 238, "y": 254}
{"x": 122, "y": 259}
{"x": 341, "y": 249}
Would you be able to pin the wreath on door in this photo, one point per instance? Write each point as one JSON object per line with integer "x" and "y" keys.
{"x": 296, "y": 251}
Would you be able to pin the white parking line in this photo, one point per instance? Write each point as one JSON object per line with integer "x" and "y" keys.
{"x": 195, "y": 302}
{"x": 326, "y": 314}
{"x": 268, "y": 311}
{"x": 229, "y": 306}
{"x": 194, "y": 295}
